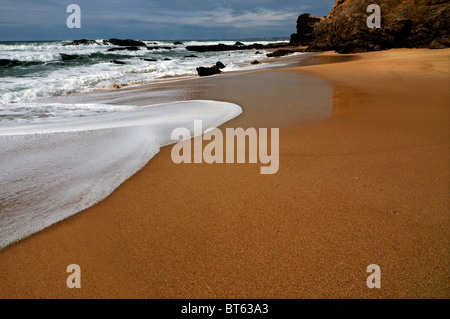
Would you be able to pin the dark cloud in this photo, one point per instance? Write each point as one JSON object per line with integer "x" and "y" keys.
{"x": 155, "y": 19}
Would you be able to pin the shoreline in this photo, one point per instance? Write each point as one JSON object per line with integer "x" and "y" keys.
{"x": 362, "y": 180}
{"x": 150, "y": 91}
{"x": 39, "y": 72}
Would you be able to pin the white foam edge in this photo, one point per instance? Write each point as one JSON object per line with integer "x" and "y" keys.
{"x": 52, "y": 171}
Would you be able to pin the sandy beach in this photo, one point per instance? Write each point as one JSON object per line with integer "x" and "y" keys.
{"x": 363, "y": 179}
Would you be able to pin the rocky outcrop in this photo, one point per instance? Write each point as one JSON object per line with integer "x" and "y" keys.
{"x": 281, "y": 52}
{"x": 117, "y": 62}
{"x": 82, "y": 42}
{"x": 213, "y": 48}
{"x": 404, "y": 24}
{"x": 226, "y": 47}
{"x": 215, "y": 69}
{"x": 127, "y": 43}
{"x": 159, "y": 48}
{"x": 202, "y": 71}
{"x": 123, "y": 49}
{"x": 220, "y": 65}
{"x": 305, "y": 29}
{"x": 6, "y": 62}
{"x": 118, "y": 42}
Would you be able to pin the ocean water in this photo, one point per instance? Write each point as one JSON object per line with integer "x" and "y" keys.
{"x": 61, "y": 159}
{"x": 30, "y": 71}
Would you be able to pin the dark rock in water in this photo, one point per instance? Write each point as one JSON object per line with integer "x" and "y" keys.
{"x": 305, "y": 29}
{"x": 258, "y": 46}
{"x": 117, "y": 62}
{"x": 81, "y": 42}
{"x": 404, "y": 24}
{"x": 239, "y": 43}
{"x": 167, "y": 59}
{"x": 212, "y": 48}
{"x": 191, "y": 56}
{"x": 202, "y": 71}
{"x": 158, "y": 48}
{"x": 149, "y": 60}
{"x": 256, "y": 62}
{"x": 257, "y": 52}
{"x": 281, "y": 52}
{"x": 220, "y": 65}
{"x": 6, "y": 62}
{"x": 178, "y": 43}
{"x": 123, "y": 49}
{"x": 127, "y": 43}
{"x": 225, "y": 47}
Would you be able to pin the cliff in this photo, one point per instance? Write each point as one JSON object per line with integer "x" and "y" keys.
{"x": 404, "y": 24}
{"x": 305, "y": 29}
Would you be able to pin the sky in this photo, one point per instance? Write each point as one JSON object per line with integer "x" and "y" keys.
{"x": 38, "y": 20}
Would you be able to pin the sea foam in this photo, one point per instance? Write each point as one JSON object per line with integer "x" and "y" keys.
{"x": 54, "y": 166}
{"x": 38, "y": 70}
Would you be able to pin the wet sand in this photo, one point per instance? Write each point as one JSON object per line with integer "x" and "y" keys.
{"x": 363, "y": 180}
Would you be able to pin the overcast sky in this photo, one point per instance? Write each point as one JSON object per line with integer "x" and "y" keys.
{"x": 155, "y": 19}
